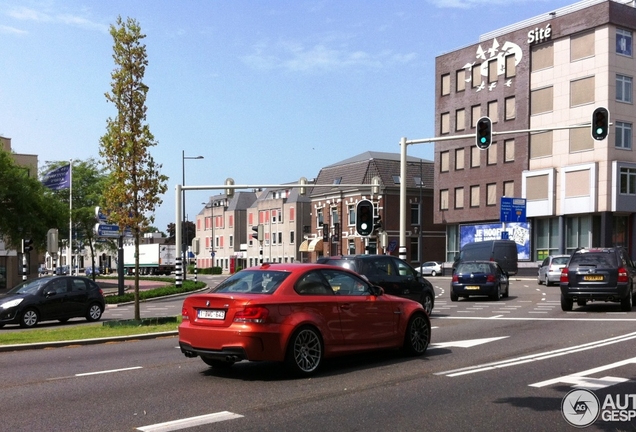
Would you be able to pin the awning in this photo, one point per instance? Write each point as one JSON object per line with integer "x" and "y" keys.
{"x": 303, "y": 246}
{"x": 315, "y": 244}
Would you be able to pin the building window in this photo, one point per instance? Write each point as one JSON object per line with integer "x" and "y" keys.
{"x": 459, "y": 159}
{"x": 628, "y": 181}
{"x": 445, "y": 84}
{"x": 444, "y": 158}
{"x": 623, "y": 135}
{"x": 510, "y": 108}
{"x": 292, "y": 237}
{"x": 231, "y": 239}
{"x": 623, "y": 88}
{"x": 509, "y": 150}
{"x": 582, "y": 91}
{"x": 581, "y": 140}
{"x": 537, "y": 187}
{"x": 624, "y": 42}
{"x": 541, "y": 100}
{"x": 460, "y": 80}
{"x": 511, "y": 67}
{"x": 493, "y": 111}
{"x": 475, "y": 113}
{"x": 582, "y": 46}
{"x": 492, "y": 154}
{"x": 415, "y": 214}
{"x": 492, "y": 71}
{"x": 491, "y": 194}
{"x": 542, "y": 57}
{"x": 334, "y": 215}
{"x": 547, "y": 237}
{"x": 509, "y": 188}
{"x": 443, "y": 199}
{"x": 475, "y": 156}
{"x": 474, "y": 196}
{"x": 280, "y": 238}
{"x": 444, "y": 123}
{"x": 460, "y": 119}
{"x": 459, "y": 198}
{"x": 352, "y": 214}
{"x": 476, "y": 75}
{"x": 320, "y": 219}
{"x": 541, "y": 145}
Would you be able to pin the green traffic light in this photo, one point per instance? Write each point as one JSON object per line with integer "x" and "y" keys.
{"x": 483, "y": 140}
{"x": 599, "y": 131}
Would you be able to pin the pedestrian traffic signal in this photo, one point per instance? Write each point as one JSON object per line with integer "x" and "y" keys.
{"x": 484, "y": 133}
{"x": 325, "y": 232}
{"x": 377, "y": 223}
{"x": 27, "y": 245}
{"x": 364, "y": 218}
{"x": 336, "y": 232}
{"x": 600, "y": 123}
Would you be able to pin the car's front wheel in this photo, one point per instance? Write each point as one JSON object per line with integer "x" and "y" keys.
{"x": 433, "y": 273}
{"x": 566, "y": 303}
{"x": 94, "y": 312}
{"x": 29, "y": 318}
{"x": 305, "y": 350}
{"x": 418, "y": 335}
{"x": 427, "y": 303}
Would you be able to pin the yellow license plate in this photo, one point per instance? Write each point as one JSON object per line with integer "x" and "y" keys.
{"x": 593, "y": 278}
{"x": 471, "y": 287}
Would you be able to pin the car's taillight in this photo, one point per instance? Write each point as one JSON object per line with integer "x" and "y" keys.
{"x": 455, "y": 278}
{"x": 101, "y": 291}
{"x": 253, "y": 314}
{"x": 622, "y": 275}
{"x": 185, "y": 316}
{"x": 490, "y": 278}
{"x": 564, "y": 275}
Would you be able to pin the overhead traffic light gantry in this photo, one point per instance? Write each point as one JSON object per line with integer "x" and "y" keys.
{"x": 483, "y": 134}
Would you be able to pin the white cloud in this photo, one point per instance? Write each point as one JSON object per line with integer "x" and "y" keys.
{"x": 11, "y": 30}
{"x": 28, "y": 14}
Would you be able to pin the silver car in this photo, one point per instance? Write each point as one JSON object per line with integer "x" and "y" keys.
{"x": 432, "y": 268}
{"x": 550, "y": 269}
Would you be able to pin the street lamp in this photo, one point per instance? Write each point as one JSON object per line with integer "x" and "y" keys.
{"x": 184, "y": 227}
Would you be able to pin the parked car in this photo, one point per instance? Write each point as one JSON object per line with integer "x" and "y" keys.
{"x": 598, "y": 274}
{"x": 51, "y": 298}
{"x": 550, "y": 269}
{"x": 432, "y": 268}
{"x": 479, "y": 278}
{"x": 299, "y": 314}
{"x": 91, "y": 269}
{"x": 503, "y": 252}
{"x": 61, "y": 270}
{"x": 392, "y": 274}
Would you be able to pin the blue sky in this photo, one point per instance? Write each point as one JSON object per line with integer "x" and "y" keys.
{"x": 266, "y": 91}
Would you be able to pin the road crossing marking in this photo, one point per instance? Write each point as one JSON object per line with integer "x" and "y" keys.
{"x": 190, "y": 422}
{"x": 581, "y": 379}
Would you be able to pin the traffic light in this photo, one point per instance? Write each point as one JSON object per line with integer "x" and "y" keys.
{"x": 258, "y": 233}
{"x": 377, "y": 223}
{"x": 483, "y": 136}
{"x": 195, "y": 246}
{"x": 600, "y": 123}
{"x": 364, "y": 218}
{"x": 336, "y": 232}
{"x": 325, "y": 232}
{"x": 27, "y": 245}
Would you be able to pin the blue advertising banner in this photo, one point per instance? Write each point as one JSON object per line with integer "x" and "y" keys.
{"x": 517, "y": 231}
{"x": 58, "y": 179}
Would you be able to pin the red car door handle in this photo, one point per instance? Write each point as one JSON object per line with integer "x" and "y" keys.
{"x": 345, "y": 306}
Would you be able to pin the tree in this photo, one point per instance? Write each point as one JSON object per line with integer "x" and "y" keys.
{"x": 134, "y": 185}
{"x": 88, "y": 186}
{"x": 190, "y": 232}
{"x": 29, "y": 209}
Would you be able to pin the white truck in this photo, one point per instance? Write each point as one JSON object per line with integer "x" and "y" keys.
{"x": 153, "y": 259}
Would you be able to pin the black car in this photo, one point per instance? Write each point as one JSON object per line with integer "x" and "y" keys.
{"x": 479, "y": 278}
{"x": 394, "y": 275}
{"x": 598, "y": 274}
{"x": 51, "y": 298}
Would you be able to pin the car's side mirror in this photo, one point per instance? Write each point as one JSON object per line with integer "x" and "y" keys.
{"x": 50, "y": 293}
{"x": 376, "y": 290}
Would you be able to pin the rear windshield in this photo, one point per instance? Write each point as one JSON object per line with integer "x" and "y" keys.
{"x": 473, "y": 268}
{"x": 598, "y": 259}
{"x": 252, "y": 282}
{"x": 560, "y": 260}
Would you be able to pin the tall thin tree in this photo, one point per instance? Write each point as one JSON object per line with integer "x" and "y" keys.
{"x": 135, "y": 184}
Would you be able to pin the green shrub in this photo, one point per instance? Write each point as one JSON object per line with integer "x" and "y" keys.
{"x": 186, "y": 287}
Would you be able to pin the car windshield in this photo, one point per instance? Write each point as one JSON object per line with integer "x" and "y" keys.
{"x": 348, "y": 264}
{"x": 28, "y": 287}
{"x": 473, "y": 268}
{"x": 560, "y": 260}
{"x": 252, "y": 282}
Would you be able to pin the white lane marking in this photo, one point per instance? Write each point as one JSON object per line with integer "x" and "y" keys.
{"x": 537, "y": 357}
{"x": 108, "y": 371}
{"x": 588, "y": 319}
{"x": 190, "y": 422}
{"x": 580, "y": 379}
{"x": 466, "y": 343}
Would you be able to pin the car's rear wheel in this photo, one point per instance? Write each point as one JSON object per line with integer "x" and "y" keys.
{"x": 418, "y": 335}
{"x": 29, "y": 318}
{"x": 217, "y": 364}
{"x": 305, "y": 350}
{"x": 626, "y": 303}
{"x": 433, "y": 273}
{"x": 581, "y": 302}
{"x": 497, "y": 295}
{"x": 566, "y": 303}
{"x": 547, "y": 281}
{"x": 454, "y": 297}
{"x": 427, "y": 303}
{"x": 94, "y": 312}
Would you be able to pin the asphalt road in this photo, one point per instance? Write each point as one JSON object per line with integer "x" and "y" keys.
{"x": 503, "y": 365}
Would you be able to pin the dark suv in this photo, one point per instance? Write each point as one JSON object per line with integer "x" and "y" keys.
{"x": 605, "y": 274}
{"x": 394, "y": 275}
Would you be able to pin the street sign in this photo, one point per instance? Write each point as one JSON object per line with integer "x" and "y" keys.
{"x": 392, "y": 246}
{"x": 513, "y": 209}
{"x": 110, "y": 231}
{"x": 504, "y": 235}
{"x": 101, "y": 217}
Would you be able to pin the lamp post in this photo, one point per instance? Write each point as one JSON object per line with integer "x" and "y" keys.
{"x": 184, "y": 247}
